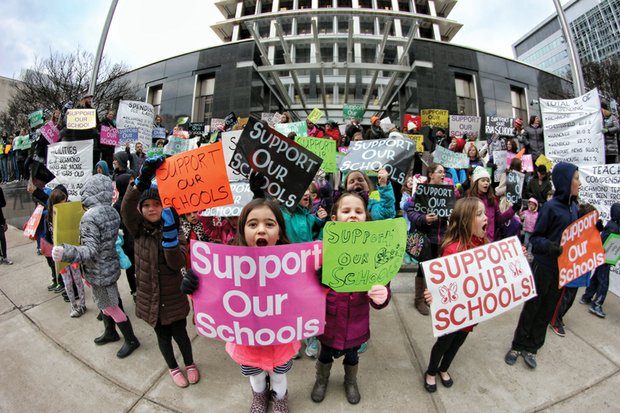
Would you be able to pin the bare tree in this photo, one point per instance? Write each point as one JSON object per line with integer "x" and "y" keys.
{"x": 60, "y": 78}
{"x": 605, "y": 76}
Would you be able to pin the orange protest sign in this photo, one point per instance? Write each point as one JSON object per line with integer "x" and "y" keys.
{"x": 31, "y": 226}
{"x": 582, "y": 249}
{"x": 195, "y": 180}
{"x": 520, "y": 153}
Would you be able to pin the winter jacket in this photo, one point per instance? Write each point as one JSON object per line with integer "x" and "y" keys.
{"x": 529, "y": 220}
{"x": 158, "y": 269}
{"x": 347, "y": 319}
{"x": 104, "y": 167}
{"x": 554, "y": 216}
{"x": 374, "y": 132}
{"x": 611, "y": 139}
{"x": 135, "y": 161}
{"x": 333, "y": 133}
{"x": 533, "y": 140}
{"x": 385, "y": 207}
{"x": 613, "y": 225}
{"x": 301, "y": 225}
{"x": 495, "y": 216}
{"x": 538, "y": 190}
{"x": 434, "y": 230}
{"x": 98, "y": 232}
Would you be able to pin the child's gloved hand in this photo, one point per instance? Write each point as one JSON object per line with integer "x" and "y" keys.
{"x": 428, "y": 298}
{"x": 57, "y": 253}
{"x": 257, "y": 180}
{"x": 378, "y": 294}
{"x": 147, "y": 172}
{"x": 190, "y": 282}
{"x": 170, "y": 222}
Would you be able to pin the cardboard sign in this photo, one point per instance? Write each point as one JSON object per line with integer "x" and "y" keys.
{"x": 393, "y": 154}
{"x": 465, "y": 125}
{"x": 229, "y": 144}
{"x": 242, "y": 195}
{"x": 386, "y": 124}
{"x": 600, "y": 186}
{"x": 230, "y": 120}
{"x": 50, "y": 132}
{"x": 300, "y": 128}
{"x": 33, "y": 222}
{"x": 180, "y": 133}
{"x": 477, "y": 284}
{"x": 194, "y": 180}
{"x": 197, "y": 128}
{"x": 417, "y": 121}
{"x": 612, "y": 249}
{"x": 582, "y": 249}
{"x": 419, "y": 141}
{"x": 434, "y": 199}
{"x": 573, "y": 129}
{"x": 178, "y": 145}
{"x": 359, "y": 255}
{"x": 22, "y": 142}
{"x": 500, "y": 158}
{"x": 136, "y": 114}
{"x": 450, "y": 159}
{"x": 323, "y": 148}
{"x": 128, "y": 135}
{"x": 499, "y": 125}
{"x": 526, "y": 163}
{"x": 81, "y": 119}
{"x": 110, "y": 136}
{"x": 66, "y": 221}
{"x": 159, "y": 133}
{"x": 217, "y": 125}
{"x": 155, "y": 152}
{"x": 353, "y": 111}
{"x": 315, "y": 115}
{"x": 35, "y": 118}
{"x": 288, "y": 167}
{"x": 543, "y": 160}
{"x": 258, "y": 296}
{"x": 514, "y": 186}
{"x": 72, "y": 163}
{"x": 436, "y": 117}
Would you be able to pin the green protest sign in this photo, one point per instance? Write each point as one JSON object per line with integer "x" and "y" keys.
{"x": 358, "y": 255}
{"x": 350, "y": 111}
{"x": 155, "y": 152}
{"x": 315, "y": 115}
{"x": 300, "y": 128}
{"x": 35, "y": 119}
{"x": 324, "y": 148}
{"x": 22, "y": 142}
{"x": 612, "y": 249}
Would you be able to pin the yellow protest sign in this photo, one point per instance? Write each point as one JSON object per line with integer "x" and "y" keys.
{"x": 81, "y": 119}
{"x": 437, "y": 117}
{"x": 419, "y": 142}
{"x": 543, "y": 160}
{"x": 315, "y": 115}
{"x": 66, "y": 220}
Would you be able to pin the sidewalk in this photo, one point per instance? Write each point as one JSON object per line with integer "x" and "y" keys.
{"x": 50, "y": 363}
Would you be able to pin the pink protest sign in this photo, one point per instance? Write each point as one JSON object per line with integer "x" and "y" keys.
{"x": 50, "y": 132}
{"x": 258, "y": 296}
{"x": 108, "y": 136}
{"x": 527, "y": 164}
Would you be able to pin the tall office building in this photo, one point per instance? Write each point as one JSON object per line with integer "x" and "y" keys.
{"x": 595, "y": 26}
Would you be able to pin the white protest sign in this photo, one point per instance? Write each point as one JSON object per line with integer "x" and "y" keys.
{"x": 242, "y": 195}
{"x": 177, "y": 145}
{"x": 135, "y": 114}
{"x": 465, "y": 125}
{"x": 614, "y": 280}
{"x": 477, "y": 284}
{"x": 572, "y": 129}
{"x": 612, "y": 249}
{"x": 600, "y": 186}
{"x": 386, "y": 124}
{"x": 500, "y": 158}
{"x": 229, "y": 144}
{"x": 449, "y": 159}
{"x": 72, "y": 163}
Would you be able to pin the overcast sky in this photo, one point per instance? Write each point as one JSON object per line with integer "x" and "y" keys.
{"x": 144, "y": 32}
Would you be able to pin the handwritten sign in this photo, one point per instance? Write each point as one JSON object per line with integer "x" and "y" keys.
{"x": 434, "y": 199}
{"x": 436, "y": 117}
{"x": 419, "y": 142}
{"x": 393, "y": 154}
{"x": 573, "y": 129}
{"x": 139, "y": 115}
{"x": 33, "y": 222}
{"x": 217, "y": 124}
{"x": 612, "y": 249}
{"x": 110, "y": 136}
{"x": 229, "y": 144}
{"x": 66, "y": 221}
{"x": 230, "y": 121}
{"x": 323, "y": 148}
{"x": 299, "y": 128}
{"x": 359, "y": 255}
{"x": 353, "y": 111}
{"x": 582, "y": 249}
{"x": 50, "y": 132}
{"x": 500, "y": 158}
{"x": 543, "y": 160}
{"x": 526, "y": 163}
{"x": 35, "y": 118}
{"x": 194, "y": 180}
{"x": 22, "y": 142}
{"x": 499, "y": 125}
{"x": 465, "y": 125}
{"x": 417, "y": 121}
{"x": 450, "y": 159}
{"x": 600, "y": 186}
{"x": 315, "y": 115}
{"x": 477, "y": 284}
{"x": 514, "y": 186}
{"x": 287, "y": 166}
{"x": 81, "y": 119}
{"x": 242, "y": 195}
{"x": 258, "y": 296}
{"x": 72, "y": 163}
{"x": 128, "y": 135}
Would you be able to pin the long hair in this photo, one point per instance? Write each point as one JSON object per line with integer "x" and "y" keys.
{"x": 490, "y": 195}
{"x": 460, "y": 226}
{"x": 56, "y": 196}
{"x": 431, "y": 169}
{"x": 371, "y": 187}
{"x": 243, "y": 219}
{"x": 355, "y": 195}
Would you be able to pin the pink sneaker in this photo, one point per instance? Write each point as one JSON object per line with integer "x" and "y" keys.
{"x": 193, "y": 375}
{"x": 178, "y": 378}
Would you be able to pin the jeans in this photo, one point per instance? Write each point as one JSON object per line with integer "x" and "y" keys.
{"x": 4, "y": 169}
{"x": 599, "y": 284}
{"x": 15, "y": 165}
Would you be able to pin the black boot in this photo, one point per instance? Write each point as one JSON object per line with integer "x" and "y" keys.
{"x": 322, "y": 378}
{"x": 109, "y": 335}
{"x": 131, "y": 342}
{"x": 350, "y": 384}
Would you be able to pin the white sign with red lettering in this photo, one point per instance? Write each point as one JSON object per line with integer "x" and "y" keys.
{"x": 477, "y": 284}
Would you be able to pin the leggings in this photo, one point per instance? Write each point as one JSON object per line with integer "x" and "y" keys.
{"x": 178, "y": 331}
{"x": 328, "y": 354}
{"x": 444, "y": 350}
{"x": 72, "y": 275}
{"x": 2, "y": 243}
{"x": 117, "y": 314}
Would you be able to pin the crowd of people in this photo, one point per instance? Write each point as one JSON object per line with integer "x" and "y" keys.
{"x": 135, "y": 233}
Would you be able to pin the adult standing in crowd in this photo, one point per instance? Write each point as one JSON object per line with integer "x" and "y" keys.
{"x": 351, "y": 129}
{"x": 136, "y": 159}
{"x": 375, "y": 131}
{"x": 610, "y": 132}
{"x": 539, "y": 186}
{"x": 533, "y": 138}
{"x": 107, "y": 151}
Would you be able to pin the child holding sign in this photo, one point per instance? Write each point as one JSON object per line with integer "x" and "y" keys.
{"x": 467, "y": 229}
{"x": 358, "y": 181}
{"x": 347, "y": 321}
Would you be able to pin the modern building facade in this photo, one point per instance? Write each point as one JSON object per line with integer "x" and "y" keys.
{"x": 391, "y": 56}
{"x": 595, "y": 26}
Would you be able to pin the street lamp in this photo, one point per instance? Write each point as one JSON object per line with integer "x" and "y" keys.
{"x": 102, "y": 39}
{"x": 575, "y": 64}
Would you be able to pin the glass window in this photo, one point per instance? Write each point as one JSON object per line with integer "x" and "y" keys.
{"x": 203, "y": 102}
{"x": 465, "y": 94}
{"x": 519, "y": 104}
{"x": 154, "y": 98}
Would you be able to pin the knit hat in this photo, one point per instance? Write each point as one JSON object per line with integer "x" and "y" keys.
{"x": 518, "y": 122}
{"x": 542, "y": 169}
{"x": 374, "y": 119}
{"x": 533, "y": 200}
{"x": 480, "y": 172}
{"x": 151, "y": 193}
{"x": 410, "y": 125}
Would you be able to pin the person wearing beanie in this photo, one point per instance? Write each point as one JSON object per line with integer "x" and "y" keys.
{"x": 411, "y": 128}
{"x": 97, "y": 254}
{"x": 160, "y": 249}
{"x": 351, "y": 129}
{"x": 375, "y": 131}
{"x": 481, "y": 188}
{"x": 539, "y": 186}
{"x": 554, "y": 217}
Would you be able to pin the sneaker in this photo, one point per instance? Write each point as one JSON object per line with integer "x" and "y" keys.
{"x": 362, "y": 348}
{"x": 52, "y": 286}
{"x": 530, "y": 359}
{"x": 59, "y": 288}
{"x": 193, "y": 375}
{"x": 76, "y": 312}
{"x": 598, "y": 311}
{"x": 312, "y": 347}
{"x": 38, "y": 251}
{"x": 178, "y": 378}
{"x": 511, "y": 357}
{"x": 559, "y": 329}
{"x": 66, "y": 298}
{"x": 585, "y": 301}
{"x": 7, "y": 261}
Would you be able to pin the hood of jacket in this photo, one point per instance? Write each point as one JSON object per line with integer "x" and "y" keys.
{"x": 97, "y": 191}
{"x": 562, "y": 177}
{"x": 614, "y": 212}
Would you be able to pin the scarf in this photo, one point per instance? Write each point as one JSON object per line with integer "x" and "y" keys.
{"x": 197, "y": 228}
